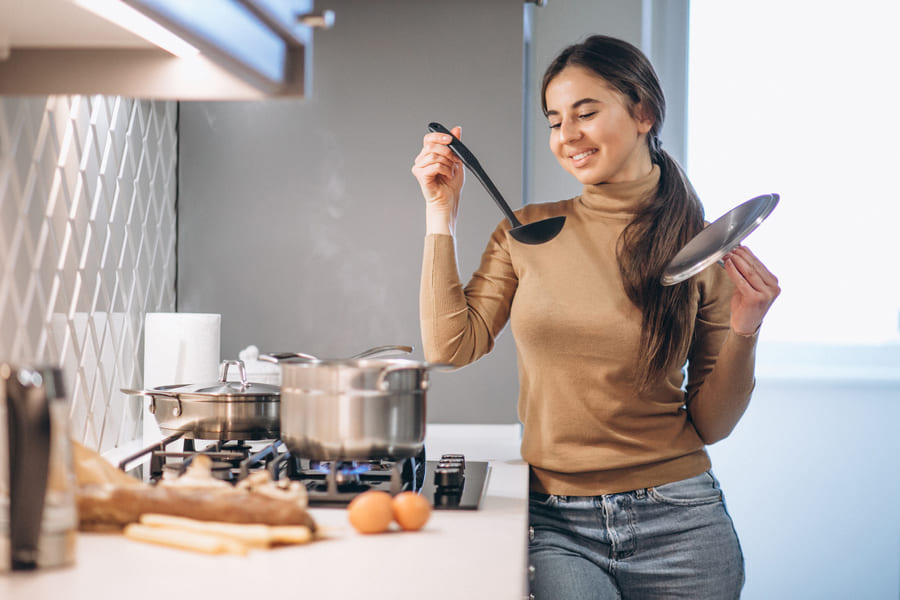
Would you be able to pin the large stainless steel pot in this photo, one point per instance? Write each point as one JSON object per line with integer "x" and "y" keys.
{"x": 223, "y": 410}
{"x": 354, "y": 409}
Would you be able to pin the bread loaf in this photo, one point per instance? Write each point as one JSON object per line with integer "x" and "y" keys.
{"x": 108, "y": 499}
{"x": 111, "y": 507}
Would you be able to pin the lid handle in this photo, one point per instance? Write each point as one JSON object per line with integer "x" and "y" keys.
{"x": 223, "y": 378}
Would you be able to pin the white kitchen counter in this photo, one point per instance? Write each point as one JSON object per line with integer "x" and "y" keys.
{"x": 459, "y": 554}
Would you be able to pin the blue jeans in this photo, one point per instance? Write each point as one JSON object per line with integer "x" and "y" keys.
{"x": 671, "y": 541}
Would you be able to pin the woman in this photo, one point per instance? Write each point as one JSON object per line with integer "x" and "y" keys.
{"x": 623, "y": 503}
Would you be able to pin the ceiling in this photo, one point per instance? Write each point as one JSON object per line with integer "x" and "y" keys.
{"x": 58, "y": 47}
{"x": 58, "y": 23}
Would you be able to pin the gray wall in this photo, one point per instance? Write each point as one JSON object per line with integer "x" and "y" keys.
{"x": 300, "y": 222}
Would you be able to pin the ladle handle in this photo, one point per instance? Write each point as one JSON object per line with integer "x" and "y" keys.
{"x": 381, "y": 350}
{"x": 472, "y": 163}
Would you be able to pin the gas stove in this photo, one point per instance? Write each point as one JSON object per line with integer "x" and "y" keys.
{"x": 450, "y": 483}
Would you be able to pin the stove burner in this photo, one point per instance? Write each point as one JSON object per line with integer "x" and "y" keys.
{"x": 451, "y": 483}
{"x": 220, "y": 469}
{"x": 335, "y": 483}
{"x": 346, "y": 473}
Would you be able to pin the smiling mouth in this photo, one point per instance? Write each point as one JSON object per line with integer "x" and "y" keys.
{"x": 582, "y": 155}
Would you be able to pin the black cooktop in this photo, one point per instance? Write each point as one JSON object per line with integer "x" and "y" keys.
{"x": 450, "y": 483}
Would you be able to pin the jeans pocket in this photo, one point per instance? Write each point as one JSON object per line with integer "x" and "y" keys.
{"x": 694, "y": 491}
{"x": 542, "y": 500}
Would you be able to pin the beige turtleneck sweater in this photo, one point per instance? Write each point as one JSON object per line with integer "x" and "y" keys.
{"x": 585, "y": 429}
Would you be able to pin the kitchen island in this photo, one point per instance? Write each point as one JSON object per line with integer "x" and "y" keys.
{"x": 469, "y": 554}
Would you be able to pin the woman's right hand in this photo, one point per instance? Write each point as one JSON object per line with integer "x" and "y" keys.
{"x": 440, "y": 175}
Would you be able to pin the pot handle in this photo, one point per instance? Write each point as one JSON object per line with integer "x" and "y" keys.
{"x": 152, "y": 396}
{"x": 381, "y": 350}
{"x": 277, "y": 357}
{"x": 381, "y": 384}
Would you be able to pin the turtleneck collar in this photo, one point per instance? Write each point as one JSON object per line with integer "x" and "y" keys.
{"x": 620, "y": 199}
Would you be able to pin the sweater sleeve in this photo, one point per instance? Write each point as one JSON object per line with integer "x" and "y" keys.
{"x": 459, "y": 324}
{"x": 721, "y": 364}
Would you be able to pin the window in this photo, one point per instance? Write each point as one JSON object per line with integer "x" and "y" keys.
{"x": 800, "y": 98}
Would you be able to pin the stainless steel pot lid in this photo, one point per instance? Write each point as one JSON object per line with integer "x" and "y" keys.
{"x": 718, "y": 239}
{"x": 223, "y": 389}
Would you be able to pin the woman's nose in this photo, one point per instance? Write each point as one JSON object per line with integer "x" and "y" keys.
{"x": 569, "y": 130}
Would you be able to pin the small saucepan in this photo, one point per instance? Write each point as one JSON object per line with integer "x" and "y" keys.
{"x": 221, "y": 410}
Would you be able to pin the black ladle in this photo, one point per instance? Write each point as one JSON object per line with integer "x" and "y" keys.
{"x": 531, "y": 233}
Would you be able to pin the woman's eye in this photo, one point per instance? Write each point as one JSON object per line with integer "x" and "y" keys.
{"x": 587, "y": 115}
{"x": 554, "y": 125}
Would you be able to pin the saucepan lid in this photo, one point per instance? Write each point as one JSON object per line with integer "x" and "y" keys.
{"x": 719, "y": 238}
{"x": 221, "y": 390}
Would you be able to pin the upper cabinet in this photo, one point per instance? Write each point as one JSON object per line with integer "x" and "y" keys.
{"x": 165, "y": 49}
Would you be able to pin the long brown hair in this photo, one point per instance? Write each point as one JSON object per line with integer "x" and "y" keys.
{"x": 666, "y": 223}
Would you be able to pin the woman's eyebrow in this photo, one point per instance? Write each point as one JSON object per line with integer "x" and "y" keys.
{"x": 575, "y": 105}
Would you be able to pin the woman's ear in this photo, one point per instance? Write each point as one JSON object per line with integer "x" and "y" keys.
{"x": 644, "y": 121}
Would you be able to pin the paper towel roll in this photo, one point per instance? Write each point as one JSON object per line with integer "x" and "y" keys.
{"x": 179, "y": 348}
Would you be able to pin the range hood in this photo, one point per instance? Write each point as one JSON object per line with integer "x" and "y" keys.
{"x": 238, "y": 49}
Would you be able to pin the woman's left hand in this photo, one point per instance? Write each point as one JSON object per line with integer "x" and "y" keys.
{"x": 755, "y": 288}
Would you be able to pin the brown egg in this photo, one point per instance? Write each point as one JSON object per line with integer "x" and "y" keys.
{"x": 371, "y": 512}
{"x": 411, "y": 510}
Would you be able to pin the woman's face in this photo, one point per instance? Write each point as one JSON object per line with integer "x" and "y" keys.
{"x": 592, "y": 134}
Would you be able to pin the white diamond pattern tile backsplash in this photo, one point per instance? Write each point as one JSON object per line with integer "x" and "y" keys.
{"x": 87, "y": 246}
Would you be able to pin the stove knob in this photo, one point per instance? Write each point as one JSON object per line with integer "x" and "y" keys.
{"x": 456, "y": 466}
{"x": 448, "y": 477}
{"x": 454, "y": 458}
{"x": 444, "y": 499}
